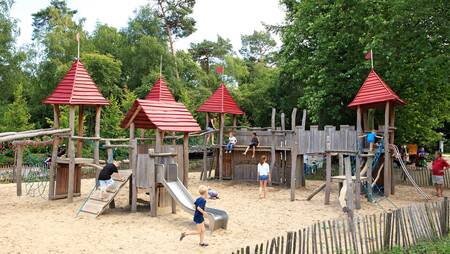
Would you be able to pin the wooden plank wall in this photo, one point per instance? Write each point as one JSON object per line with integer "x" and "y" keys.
{"x": 403, "y": 227}
{"x": 244, "y": 137}
{"x": 314, "y": 140}
{"x": 422, "y": 176}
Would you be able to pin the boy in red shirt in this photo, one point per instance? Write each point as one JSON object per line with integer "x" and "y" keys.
{"x": 438, "y": 168}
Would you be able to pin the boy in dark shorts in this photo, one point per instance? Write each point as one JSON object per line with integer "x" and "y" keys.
{"x": 199, "y": 216}
{"x": 253, "y": 144}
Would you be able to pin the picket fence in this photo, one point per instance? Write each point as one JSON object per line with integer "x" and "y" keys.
{"x": 365, "y": 234}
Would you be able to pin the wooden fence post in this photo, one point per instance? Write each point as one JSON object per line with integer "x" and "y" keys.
{"x": 19, "y": 165}
{"x": 222, "y": 122}
{"x": 294, "y": 154}
{"x": 444, "y": 217}
{"x": 272, "y": 146}
{"x": 328, "y": 179}
{"x": 205, "y": 149}
{"x": 71, "y": 154}
{"x": 98, "y": 110}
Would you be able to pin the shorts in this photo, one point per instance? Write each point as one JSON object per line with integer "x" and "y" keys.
{"x": 209, "y": 129}
{"x": 253, "y": 145}
{"x": 263, "y": 177}
{"x": 199, "y": 220}
{"x": 105, "y": 183}
{"x": 438, "y": 179}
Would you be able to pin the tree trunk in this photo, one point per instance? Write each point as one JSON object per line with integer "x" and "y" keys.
{"x": 169, "y": 35}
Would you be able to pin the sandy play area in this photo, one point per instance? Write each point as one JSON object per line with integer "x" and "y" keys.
{"x": 35, "y": 225}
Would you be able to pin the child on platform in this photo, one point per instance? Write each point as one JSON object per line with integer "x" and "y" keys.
{"x": 104, "y": 178}
{"x": 253, "y": 144}
{"x": 438, "y": 167}
{"x": 263, "y": 176}
{"x": 199, "y": 216}
{"x": 231, "y": 142}
{"x": 371, "y": 139}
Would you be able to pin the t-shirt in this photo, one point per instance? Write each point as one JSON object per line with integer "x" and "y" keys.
{"x": 255, "y": 141}
{"x": 232, "y": 140}
{"x": 199, "y": 202}
{"x": 371, "y": 137}
{"x": 263, "y": 170}
{"x": 107, "y": 171}
{"x": 438, "y": 166}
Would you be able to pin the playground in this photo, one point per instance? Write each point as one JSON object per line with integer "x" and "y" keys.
{"x": 43, "y": 226}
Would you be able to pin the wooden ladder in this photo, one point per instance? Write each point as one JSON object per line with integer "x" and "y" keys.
{"x": 96, "y": 203}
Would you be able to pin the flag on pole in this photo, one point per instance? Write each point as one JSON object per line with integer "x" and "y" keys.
{"x": 368, "y": 55}
{"x": 219, "y": 69}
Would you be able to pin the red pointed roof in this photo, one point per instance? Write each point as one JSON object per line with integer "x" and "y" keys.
{"x": 76, "y": 88}
{"x": 221, "y": 101}
{"x": 163, "y": 115}
{"x": 374, "y": 91}
{"x": 160, "y": 92}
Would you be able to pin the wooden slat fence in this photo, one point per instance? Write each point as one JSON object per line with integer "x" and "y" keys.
{"x": 365, "y": 234}
{"x": 314, "y": 141}
{"x": 422, "y": 176}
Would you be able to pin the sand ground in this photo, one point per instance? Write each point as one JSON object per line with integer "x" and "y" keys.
{"x": 35, "y": 225}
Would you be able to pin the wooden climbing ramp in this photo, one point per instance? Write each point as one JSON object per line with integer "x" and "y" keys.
{"x": 96, "y": 203}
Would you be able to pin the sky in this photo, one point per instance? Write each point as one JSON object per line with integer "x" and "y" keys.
{"x": 228, "y": 18}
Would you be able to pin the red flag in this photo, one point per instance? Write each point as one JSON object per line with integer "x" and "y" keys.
{"x": 368, "y": 55}
{"x": 78, "y": 37}
{"x": 219, "y": 69}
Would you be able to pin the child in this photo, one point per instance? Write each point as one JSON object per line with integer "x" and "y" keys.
{"x": 104, "y": 178}
{"x": 263, "y": 175}
{"x": 253, "y": 144}
{"x": 231, "y": 142}
{"x": 210, "y": 130}
{"x": 199, "y": 206}
{"x": 213, "y": 194}
{"x": 371, "y": 139}
{"x": 438, "y": 167}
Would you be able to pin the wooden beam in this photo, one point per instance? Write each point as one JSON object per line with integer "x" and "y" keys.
{"x": 133, "y": 116}
{"x": 365, "y": 120}
{"x": 294, "y": 155}
{"x": 205, "y": 150}
{"x": 185, "y": 159}
{"x": 391, "y": 141}
{"x": 348, "y": 182}
{"x": 23, "y": 135}
{"x": 273, "y": 140}
{"x": 98, "y": 111}
{"x": 80, "y": 130}
{"x": 387, "y": 173}
{"x": 133, "y": 162}
{"x": 71, "y": 154}
{"x": 131, "y": 159}
{"x": 19, "y": 165}
{"x": 358, "y": 159}
{"x": 328, "y": 179}
{"x": 234, "y": 122}
{"x": 158, "y": 145}
{"x": 222, "y": 122}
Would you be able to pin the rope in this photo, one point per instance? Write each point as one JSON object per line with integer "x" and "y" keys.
{"x": 36, "y": 181}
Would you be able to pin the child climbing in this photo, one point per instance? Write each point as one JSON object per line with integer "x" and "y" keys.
{"x": 212, "y": 193}
{"x": 199, "y": 216}
{"x": 104, "y": 178}
{"x": 210, "y": 129}
{"x": 438, "y": 167}
{"x": 264, "y": 176}
{"x": 231, "y": 142}
{"x": 371, "y": 139}
{"x": 253, "y": 144}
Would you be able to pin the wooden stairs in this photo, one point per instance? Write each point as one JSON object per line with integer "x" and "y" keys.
{"x": 95, "y": 203}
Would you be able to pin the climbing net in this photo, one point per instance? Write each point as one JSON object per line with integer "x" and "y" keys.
{"x": 36, "y": 181}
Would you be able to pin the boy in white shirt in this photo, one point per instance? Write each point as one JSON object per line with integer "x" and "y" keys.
{"x": 231, "y": 142}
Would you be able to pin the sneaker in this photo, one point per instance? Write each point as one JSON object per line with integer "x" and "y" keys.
{"x": 183, "y": 235}
{"x": 203, "y": 244}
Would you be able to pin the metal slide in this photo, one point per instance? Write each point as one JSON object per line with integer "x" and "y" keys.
{"x": 410, "y": 178}
{"x": 217, "y": 218}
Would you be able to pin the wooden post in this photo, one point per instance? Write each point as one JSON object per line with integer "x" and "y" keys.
{"x": 222, "y": 120}
{"x": 80, "y": 131}
{"x": 387, "y": 158}
{"x": 341, "y": 164}
{"x": 357, "y": 160}
{"x": 52, "y": 169}
{"x": 205, "y": 149}
{"x": 272, "y": 146}
{"x": 98, "y": 111}
{"x": 328, "y": 180}
{"x": 369, "y": 178}
{"x": 185, "y": 159}
{"x": 109, "y": 152}
{"x": 294, "y": 154}
{"x": 284, "y": 153}
{"x": 391, "y": 141}
{"x": 158, "y": 141}
{"x": 71, "y": 154}
{"x": 19, "y": 165}
{"x": 133, "y": 165}
{"x": 234, "y": 122}
{"x": 348, "y": 179}
{"x": 365, "y": 120}
{"x": 302, "y": 180}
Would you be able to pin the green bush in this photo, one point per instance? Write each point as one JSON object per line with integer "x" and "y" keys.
{"x": 434, "y": 247}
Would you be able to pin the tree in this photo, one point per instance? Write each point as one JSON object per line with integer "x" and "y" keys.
{"x": 176, "y": 21}
{"x": 16, "y": 117}
{"x": 112, "y": 116}
{"x": 105, "y": 71}
{"x": 257, "y": 47}
{"x": 203, "y": 52}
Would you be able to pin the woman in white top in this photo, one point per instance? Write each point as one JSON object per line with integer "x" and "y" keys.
{"x": 263, "y": 176}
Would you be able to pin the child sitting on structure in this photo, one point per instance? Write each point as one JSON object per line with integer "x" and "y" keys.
{"x": 104, "y": 178}
{"x": 231, "y": 142}
{"x": 438, "y": 167}
{"x": 199, "y": 219}
{"x": 213, "y": 194}
{"x": 253, "y": 144}
{"x": 371, "y": 139}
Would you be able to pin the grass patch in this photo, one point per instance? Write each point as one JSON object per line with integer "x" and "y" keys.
{"x": 434, "y": 247}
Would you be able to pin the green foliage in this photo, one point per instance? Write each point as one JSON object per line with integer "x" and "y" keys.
{"x": 105, "y": 71}
{"x": 441, "y": 246}
{"x": 16, "y": 116}
{"x": 257, "y": 47}
{"x": 206, "y": 51}
{"x": 175, "y": 16}
{"x": 111, "y": 119}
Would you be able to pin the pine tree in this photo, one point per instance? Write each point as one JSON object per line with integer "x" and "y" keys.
{"x": 16, "y": 117}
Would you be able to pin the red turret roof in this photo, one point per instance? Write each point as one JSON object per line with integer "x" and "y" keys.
{"x": 76, "y": 88}
{"x": 374, "y": 91}
{"x": 221, "y": 102}
{"x": 160, "y": 92}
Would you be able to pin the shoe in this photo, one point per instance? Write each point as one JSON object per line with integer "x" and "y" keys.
{"x": 203, "y": 244}
{"x": 183, "y": 235}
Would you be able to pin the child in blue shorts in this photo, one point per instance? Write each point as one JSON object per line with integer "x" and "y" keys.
{"x": 371, "y": 139}
{"x": 199, "y": 216}
{"x": 263, "y": 176}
